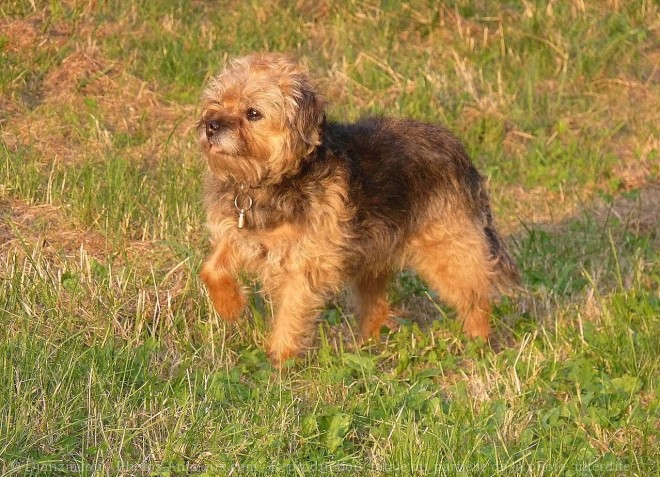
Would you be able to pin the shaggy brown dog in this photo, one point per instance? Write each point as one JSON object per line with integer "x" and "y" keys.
{"x": 309, "y": 206}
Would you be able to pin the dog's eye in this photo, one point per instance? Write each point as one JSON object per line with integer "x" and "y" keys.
{"x": 253, "y": 115}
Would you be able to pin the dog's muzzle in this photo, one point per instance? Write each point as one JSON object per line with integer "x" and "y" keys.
{"x": 214, "y": 126}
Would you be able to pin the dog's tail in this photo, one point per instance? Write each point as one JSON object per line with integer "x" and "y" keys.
{"x": 505, "y": 268}
{"x": 507, "y": 275}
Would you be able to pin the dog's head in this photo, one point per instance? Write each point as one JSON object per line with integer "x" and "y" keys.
{"x": 260, "y": 118}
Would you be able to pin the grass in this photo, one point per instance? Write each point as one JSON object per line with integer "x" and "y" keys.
{"x": 112, "y": 361}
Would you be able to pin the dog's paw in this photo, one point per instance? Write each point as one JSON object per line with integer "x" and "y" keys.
{"x": 279, "y": 352}
{"x": 226, "y": 295}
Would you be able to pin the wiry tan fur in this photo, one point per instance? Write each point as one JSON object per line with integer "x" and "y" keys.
{"x": 335, "y": 205}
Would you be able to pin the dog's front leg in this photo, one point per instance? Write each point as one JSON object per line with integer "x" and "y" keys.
{"x": 296, "y": 307}
{"x": 219, "y": 274}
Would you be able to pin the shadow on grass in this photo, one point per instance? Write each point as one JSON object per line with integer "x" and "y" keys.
{"x": 609, "y": 246}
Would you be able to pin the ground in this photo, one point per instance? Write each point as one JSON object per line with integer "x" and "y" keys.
{"x": 112, "y": 361}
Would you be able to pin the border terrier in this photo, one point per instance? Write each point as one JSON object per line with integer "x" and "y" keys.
{"x": 309, "y": 206}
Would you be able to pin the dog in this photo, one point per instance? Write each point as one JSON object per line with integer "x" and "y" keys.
{"x": 309, "y": 206}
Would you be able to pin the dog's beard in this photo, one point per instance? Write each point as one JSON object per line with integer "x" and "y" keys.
{"x": 254, "y": 163}
{"x": 241, "y": 169}
{"x": 228, "y": 158}
{"x": 227, "y": 142}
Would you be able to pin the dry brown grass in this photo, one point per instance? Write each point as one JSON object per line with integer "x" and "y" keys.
{"x": 122, "y": 102}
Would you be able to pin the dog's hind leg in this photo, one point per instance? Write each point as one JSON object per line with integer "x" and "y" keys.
{"x": 372, "y": 305}
{"x": 454, "y": 260}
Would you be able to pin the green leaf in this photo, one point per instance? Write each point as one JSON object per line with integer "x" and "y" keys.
{"x": 309, "y": 425}
{"x": 335, "y": 427}
{"x": 356, "y": 362}
{"x": 429, "y": 373}
{"x": 626, "y": 384}
{"x": 69, "y": 281}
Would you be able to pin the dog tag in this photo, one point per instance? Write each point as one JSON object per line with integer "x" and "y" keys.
{"x": 243, "y": 203}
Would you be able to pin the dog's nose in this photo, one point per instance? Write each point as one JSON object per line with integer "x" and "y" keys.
{"x": 213, "y": 126}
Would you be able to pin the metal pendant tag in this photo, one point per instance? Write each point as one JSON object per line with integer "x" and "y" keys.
{"x": 243, "y": 203}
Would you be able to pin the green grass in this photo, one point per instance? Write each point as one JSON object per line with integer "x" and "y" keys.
{"x": 112, "y": 361}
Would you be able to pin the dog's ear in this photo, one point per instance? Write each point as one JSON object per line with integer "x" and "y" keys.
{"x": 309, "y": 115}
